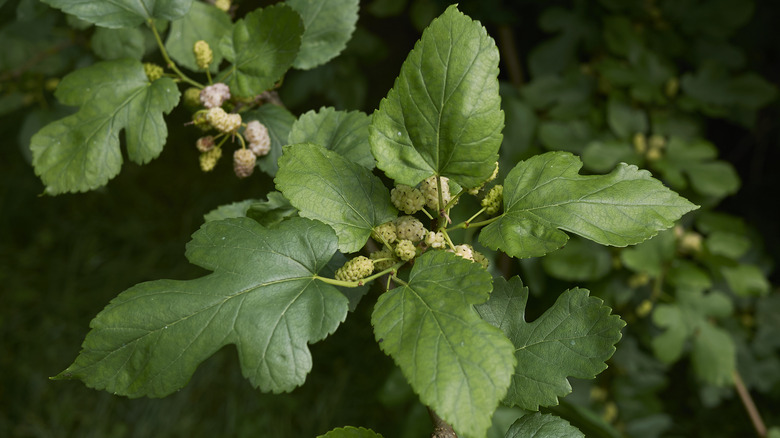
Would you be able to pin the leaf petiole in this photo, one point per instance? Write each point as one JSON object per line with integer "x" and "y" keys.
{"x": 361, "y": 282}
{"x": 168, "y": 60}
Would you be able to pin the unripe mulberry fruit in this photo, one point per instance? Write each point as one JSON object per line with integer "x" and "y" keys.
{"x": 215, "y": 95}
{"x": 640, "y": 143}
{"x": 256, "y": 134}
{"x": 492, "y": 201}
{"x": 431, "y": 192}
{"x": 405, "y": 250}
{"x": 386, "y": 254}
{"x": 222, "y": 121}
{"x": 209, "y": 159}
{"x": 223, "y": 4}
{"x": 243, "y": 162}
{"x": 153, "y": 71}
{"x": 205, "y": 144}
{"x": 407, "y": 199}
{"x": 355, "y": 269}
{"x": 191, "y": 98}
{"x": 480, "y": 258}
{"x": 203, "y": 54}
{"x": 410, "y": 228}
{"x": 385, "y": 233}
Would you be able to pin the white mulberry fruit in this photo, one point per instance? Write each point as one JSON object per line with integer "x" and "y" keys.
{"x": 405, "y": 250}
{"x": 410, "y": 228}
{"x": 256, "y": 134}
{"x": 205, "y": 144}
{"x": 243, "y": 162}
{"x": 222, "y": 121}
{"x": 435, "y": 240}
{"x": 215, "y": 95}
{"x": 407, "y": 199}
{"x": 385, "y": 233}
{"x": 384, "y": 253}
{"x": 431, "y": 192}
{"x": 203, "y": 54}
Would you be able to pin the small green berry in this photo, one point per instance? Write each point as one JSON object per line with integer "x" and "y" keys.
{"x": 153, "y": 71}
{"x": 493, "y": 200}
{"x": 191, "y": 98}
{"x": 355, "y": 269}
{"x": 209, "y": 159}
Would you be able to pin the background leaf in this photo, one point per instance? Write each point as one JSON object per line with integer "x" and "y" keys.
{"x": 345, "y": 132}
{"x": 122, "y": 13}
{"x": 325, "y": 186}
{"x": 545, "y": 194}
{"x": 443, "y": 115}
{"x": 81, "y": 152}
{"x": 543, "y": 426}
{"x": 203, "y": 22}
{"x": 262, "y": 47}
{"x": 351, "y": 432}
{"x": 572, "y": 338}
{"x": 457, "y": 363}
{"x": 261, "y": 297}
{"x": 127, "y": 42}
{"x": 328, "y": 27}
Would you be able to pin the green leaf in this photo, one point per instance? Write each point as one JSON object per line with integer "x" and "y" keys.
{"x": 625, "y": 120}
{"x": 325, "y": 186}
{"x": 746, "y": 280}
{"x": 203, "y": 22}
{"x": 443, "y": 116}
{"x": 457, "y": 363}
{"x": 261, "y": 296}
{"x": 579, "y": 260}
{"x": 345, "y": 132}
{"x": 351, "y": 432}
{"x": 571, "y": 339}
{"x": 545, "y": 194}
{"x": 228, "y": 211}
{"x": 111, "y": 44}
{"x": 690, "y": 318}
{"x": 122, "y": 13}
{"x": 604, "y": 155}
{"x": 329, "y": 25}
{"x": 571, "y": 136}
{"x": 276, "y": 209}
{"x": 696, "y": 159}
{"x": 262, "y": 47}
{"x": 279, "y": 121}
{"x": 540, "y": 425}
{"x": 81, "y": 152}
{"x": 727, "y": 244}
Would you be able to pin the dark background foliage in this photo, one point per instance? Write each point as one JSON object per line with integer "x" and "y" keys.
{"x": 63, "y": 258}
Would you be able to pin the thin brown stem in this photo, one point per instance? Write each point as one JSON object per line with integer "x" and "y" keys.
{"x": 508, "y": 49}
{"x": 750, "y": 406}
{"x": 441, "y": 429}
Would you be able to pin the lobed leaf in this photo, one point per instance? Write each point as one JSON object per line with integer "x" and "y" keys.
{"x": 81, "y": 152}
{"x": 545, "y": 194}
{"x": 540, "y": 425}
{"x": 327, "y": 187}
{"x": 345, "y": 132}
{"x": 122, "y": 13}
{"x": 203, "y": 22}
{"x": 457, "y": 363}
{"x": 328, "y": 27}
{"x": 262, "y": 47}
{"x": 443, "y": 115}
{"x": 571, "y": 339}
{"x": 261, "y": 296}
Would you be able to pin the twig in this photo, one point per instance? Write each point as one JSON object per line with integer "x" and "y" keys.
{"x": 441, "y": 429}
{"x": 750, "y": 406}
{"x": 506, "y": 44}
